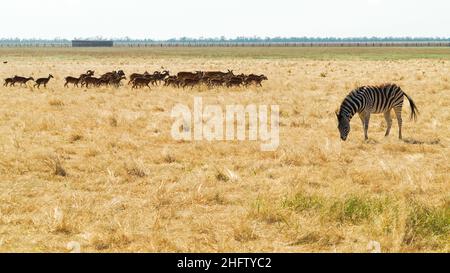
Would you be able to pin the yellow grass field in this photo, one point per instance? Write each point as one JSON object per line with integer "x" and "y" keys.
{"x": 99, "y": 168}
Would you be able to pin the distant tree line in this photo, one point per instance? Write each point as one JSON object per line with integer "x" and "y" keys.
{"x": 311, "y": 39}
{"x": 127, "y": 40}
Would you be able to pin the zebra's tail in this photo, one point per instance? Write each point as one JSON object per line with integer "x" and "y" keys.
{"x": 414, "y": 109}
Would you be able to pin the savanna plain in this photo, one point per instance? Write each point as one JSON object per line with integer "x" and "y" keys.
{"x": 96, "y": 169}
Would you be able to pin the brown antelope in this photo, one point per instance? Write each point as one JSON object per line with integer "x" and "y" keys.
{"x": 214, "y": 82}
{"x": 8, "y": 81}
{"x": 21, "y": 80}
{"x": 88, "y": 73}
{"x": 43, "y": 81}
{"x": 112, "y": 75}
{"x": 190, "y": 82}
{"x": 158, "y": 76}
{"x": 256, "y": 79}
{"x": 216, "y": 74}
{"x": 137, "y": 75}
{"x": 75, "y": 81}
{"x": 234, "y": 81}
{"x": 140, "y": 82}
{"x": 89, "y": 80}
{"x": 103, "y": 81}
{"x": 71, "y": 80}
{"x": 116, "y": 81}
{"x": 172, "y": 81}
{"x": 189, "y": 75}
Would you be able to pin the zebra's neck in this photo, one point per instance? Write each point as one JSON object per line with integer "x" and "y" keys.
{"x": 346, "y": 113}
{"x": 350, "y": 106}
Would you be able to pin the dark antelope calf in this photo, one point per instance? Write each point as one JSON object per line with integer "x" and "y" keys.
{"x": 43, "y": 81}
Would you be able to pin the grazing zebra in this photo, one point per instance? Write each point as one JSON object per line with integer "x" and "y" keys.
{"x": 373, "y": 99}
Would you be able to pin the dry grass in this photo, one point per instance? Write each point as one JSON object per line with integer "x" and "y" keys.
{"x": 98, "y": 168}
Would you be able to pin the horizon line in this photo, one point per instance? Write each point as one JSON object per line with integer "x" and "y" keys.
{"x": 223, "y": 38}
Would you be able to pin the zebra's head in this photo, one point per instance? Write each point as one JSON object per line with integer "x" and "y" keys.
{"x": 344, "y": 125}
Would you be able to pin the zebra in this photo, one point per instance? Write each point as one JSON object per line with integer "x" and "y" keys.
{"x": 365, "y": 100}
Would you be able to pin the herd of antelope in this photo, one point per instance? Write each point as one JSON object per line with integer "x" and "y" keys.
{"x": 146, "y": 79}
{"x": 213, "y": 79}
{"x": 23, "y": 81}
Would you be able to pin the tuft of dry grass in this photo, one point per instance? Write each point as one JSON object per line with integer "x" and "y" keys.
{"x": 105, "y": 159}
{"x": 54, "y": 164}
{"x": 75, "y": 137}
{"x": 136, "y": 168}
{"x": 56, "y": 102}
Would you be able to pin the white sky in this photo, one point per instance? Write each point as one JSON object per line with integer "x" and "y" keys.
{"x": 163, "y": 19}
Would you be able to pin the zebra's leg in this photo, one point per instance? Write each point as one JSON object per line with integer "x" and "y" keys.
{"x": 366, "y": 125}
{"x": 387, "y": 117}
{"x": 398, "y": 114}
{"x": 361, "y": 116}
{"x": 365, "y": 117}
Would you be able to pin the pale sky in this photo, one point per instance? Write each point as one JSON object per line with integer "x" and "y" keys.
{"x": 163, "y": 19}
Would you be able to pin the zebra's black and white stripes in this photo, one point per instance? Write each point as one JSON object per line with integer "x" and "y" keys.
{"x": 368, "y": 100}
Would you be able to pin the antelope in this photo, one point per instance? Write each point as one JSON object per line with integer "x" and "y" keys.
{"x": 189, "y": 75}
{"x": 43, "y": 81}
{"x": 88, "y": 73}
{"x": 252, "y": 78}
{"x": 216, "y": 82}
{"x": 161, "y": 76}
{"x": 190, "y": 82}
{"x": 113, "y": 74}
{"x": 103, "y": 81}
{"x": 75, "y": 81}
{"x": 116, "y": 80}
{"x": 9, "y": 81}
{"x": 21, "y": 80}
{"x": 141, "y": 82}
{"x": 71, "y": 80}
{"x": 89, "y": 80}
{"x": 216, "y": 74}
{"x": 137, "y": 75}
{"x": 172, "y": 80}
{"x": 234, "y": 81}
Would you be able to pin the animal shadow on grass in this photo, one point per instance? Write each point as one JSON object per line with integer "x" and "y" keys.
{"x": 415, "y": 141}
